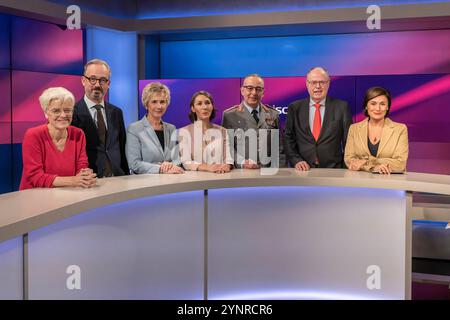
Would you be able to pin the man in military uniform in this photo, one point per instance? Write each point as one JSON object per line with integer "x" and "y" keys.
{"x": 253, "y": 128}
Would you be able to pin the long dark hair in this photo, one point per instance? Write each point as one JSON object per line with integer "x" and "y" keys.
{"x": 192, "y": 115}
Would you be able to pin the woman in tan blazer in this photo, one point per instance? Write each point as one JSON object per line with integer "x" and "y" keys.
{"x": 377, "y": 144}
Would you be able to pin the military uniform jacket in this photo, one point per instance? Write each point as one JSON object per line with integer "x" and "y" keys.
{"x": 256, "y": 137}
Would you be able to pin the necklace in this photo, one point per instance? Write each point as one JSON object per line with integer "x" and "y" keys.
{"x": 374, "y": 133}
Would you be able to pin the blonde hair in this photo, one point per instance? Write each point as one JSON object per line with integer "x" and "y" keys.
{"x": 154, "y": 88}
{"x": 55, "y": 93}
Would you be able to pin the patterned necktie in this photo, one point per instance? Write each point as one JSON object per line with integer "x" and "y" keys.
{"x": 317, "y": 122}
{"x": 255, "y": 115}
{"x": 101, "y": 131}
{"x": 101, "y": 126}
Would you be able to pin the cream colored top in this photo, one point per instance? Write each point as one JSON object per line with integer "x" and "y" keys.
{"x": 209, "y": 147}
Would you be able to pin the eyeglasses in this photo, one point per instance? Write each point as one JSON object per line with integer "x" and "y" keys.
{"x": 315, "y": 83}
{"x": 251, "y": 88}
{"x": 58, "y": 112}
{"x": 93, "y": 80}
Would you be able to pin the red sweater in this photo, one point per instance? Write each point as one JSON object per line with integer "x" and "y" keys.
{"x": 43, "y": 162}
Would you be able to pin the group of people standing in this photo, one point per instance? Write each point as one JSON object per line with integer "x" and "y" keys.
{"x": 85, "y": 140}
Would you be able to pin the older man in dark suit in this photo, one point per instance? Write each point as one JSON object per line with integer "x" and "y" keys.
{"x": 101, "y": 122}
{"x": 317, "y": 127}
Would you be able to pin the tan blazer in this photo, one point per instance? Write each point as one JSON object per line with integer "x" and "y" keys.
{"x": 393, "y": 148}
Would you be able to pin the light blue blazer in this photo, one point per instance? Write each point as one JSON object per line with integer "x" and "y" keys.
{"x": 143, "y": 150}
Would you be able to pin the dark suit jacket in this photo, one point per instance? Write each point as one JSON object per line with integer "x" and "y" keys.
{"x": 300, "y": 142}
{"x": 115, "y": 138}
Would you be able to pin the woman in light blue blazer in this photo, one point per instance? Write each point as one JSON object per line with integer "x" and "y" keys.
{"x": 151, "y": 143}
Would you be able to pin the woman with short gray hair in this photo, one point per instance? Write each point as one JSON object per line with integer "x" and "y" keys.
{"x": 54, "y": 154}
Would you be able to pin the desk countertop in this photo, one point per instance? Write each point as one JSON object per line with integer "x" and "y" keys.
{"x": 31, "y": 209}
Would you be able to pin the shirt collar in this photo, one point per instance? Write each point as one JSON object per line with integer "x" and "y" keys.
{"x": 250, "y": 109}
{"x": 92, "y": 104}
{"x": 312, "y": 103}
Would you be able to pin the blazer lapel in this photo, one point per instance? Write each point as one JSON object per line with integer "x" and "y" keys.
{"x": 386, "y": 135}
{"x": 86, "y": 114}
{"x": 109, "y": 125}
{"x": 363, "y": 135}
{"x": 166, "y": 140}
{"x": 303, "y": 114}
{"x": 152, "y": 134}
{"x": 263, "y": 116}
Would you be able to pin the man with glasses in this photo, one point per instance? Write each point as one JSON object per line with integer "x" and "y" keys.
{"x": 317, "y": 127}
{"x": 254, "y": 125}
{"x": 101, "y": 122}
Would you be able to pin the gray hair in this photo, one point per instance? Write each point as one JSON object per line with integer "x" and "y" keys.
{"x": 97, "y": 61}
{"x": 152, "y": 89}
{"x": 319, "y": 68}
{"x": 56, "y": 93}
{"x": 253, "y": 75}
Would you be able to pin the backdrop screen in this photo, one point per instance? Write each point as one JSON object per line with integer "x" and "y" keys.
{"x": 26, "y": 89}
{"x": 45, "y": 47}
{"x": 420, "y": 101}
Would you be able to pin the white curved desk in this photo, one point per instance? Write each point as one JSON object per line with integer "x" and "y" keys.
{"x": 313, "y": 234}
